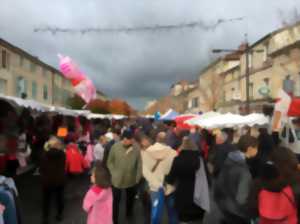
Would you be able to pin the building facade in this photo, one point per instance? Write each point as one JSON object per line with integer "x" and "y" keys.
{"x": 274, "y": 63}
{"x": 23, "y": 75}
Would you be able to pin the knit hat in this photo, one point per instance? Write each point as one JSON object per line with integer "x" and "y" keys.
{"x": 127, "y": 134}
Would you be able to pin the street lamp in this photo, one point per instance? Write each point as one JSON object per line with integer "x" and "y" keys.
{"x": 247, "y": 51}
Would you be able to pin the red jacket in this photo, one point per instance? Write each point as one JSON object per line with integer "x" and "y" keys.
{"x": 75, "y": 163}
{"x": 277, "y": 206}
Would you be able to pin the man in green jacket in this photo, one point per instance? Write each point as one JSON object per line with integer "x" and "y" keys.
{"x": 124, "y": 163}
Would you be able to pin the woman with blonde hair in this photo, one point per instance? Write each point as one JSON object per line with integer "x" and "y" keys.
{"x": 53, "y": 177}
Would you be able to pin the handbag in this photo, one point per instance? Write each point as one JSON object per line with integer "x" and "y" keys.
{"x": 201, "y": 191}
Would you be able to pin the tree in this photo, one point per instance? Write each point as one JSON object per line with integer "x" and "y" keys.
{"x": 211, "y": 90}
{"x": 99, "y": 106}
{"x": 75, "y": 103}
{"x": 117, "y": 106}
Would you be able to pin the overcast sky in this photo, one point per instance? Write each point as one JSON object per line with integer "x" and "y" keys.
{"x": 141, "y": 66}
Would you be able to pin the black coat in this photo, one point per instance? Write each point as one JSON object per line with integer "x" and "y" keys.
{"x": 53, "y": 168}
{"x": 221, "y": 153}
{"x": 182, "y": 174}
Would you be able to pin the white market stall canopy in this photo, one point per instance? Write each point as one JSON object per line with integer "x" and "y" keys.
{"x": 170, "y": 115}
{"x": 34, "y": 105}
{"x": 106, "y": 116}
{"x": 201, "y": 117}
{"x": 229, "y": 120}
{"x": 30, "y": 104}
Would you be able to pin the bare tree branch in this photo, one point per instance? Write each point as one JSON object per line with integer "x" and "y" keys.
{"x": 211, "y": 90}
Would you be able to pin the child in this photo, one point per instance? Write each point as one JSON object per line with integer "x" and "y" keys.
{"x": 98, "y": 200}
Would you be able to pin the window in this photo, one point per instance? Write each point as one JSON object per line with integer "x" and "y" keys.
{"x": 195, "y": 102}
{"x": 224, "y": 96}
{"x": 190, "y": 104}
{"x": 45, "y": 92}
{"x": 266, "y": 81}
{"x": 4, "y": 59}
{"x": 266, "y": 53}
{"x": 251, "y": 90}
{"x": 34, "y": 90}
{"x": 21, "y": 62}
{"x": 21, "y": 87}
{"x": 288, "y": 85}
{"x": 232, "y": 93}
{"x": 66, "y": 96}
{"x": 44, "y": 72}
{"x": 250, "y": 57}
{"x": 3, "y": 86}
{"x": 32, "y": 67}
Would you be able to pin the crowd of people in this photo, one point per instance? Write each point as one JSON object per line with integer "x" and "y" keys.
{"x": 250, "y": 177}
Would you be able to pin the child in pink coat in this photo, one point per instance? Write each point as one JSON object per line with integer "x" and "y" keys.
{"x": 98, "y": 200}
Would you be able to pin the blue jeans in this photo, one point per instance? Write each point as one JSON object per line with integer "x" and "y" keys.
{"x": 157, "y": 207}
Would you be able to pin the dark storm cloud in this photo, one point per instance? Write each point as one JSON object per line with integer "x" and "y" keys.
{"x": 138, "y": 66}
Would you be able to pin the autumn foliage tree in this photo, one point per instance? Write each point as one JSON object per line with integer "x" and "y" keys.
{"x": 117, "y": 106}
{"x": 99, "y": 106}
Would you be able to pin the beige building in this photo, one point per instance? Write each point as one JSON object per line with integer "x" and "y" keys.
{"x": 208, "y": 94}
{"x": 176, "y": 99}
{"x": 274, "y": 63}
{"x": 23, "y": 75}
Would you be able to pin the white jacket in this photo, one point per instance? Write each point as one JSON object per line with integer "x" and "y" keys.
{"x": 98, "y": 152}
{"x": 157, "y": 152}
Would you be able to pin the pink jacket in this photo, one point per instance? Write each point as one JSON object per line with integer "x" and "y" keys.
{"x": 98, "y": 204}
{"x": 89, "y": 156}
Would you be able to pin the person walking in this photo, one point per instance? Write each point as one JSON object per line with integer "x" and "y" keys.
{"x": 125, "y": 166}
{"x": 221, "y": 150}
{"x": 183, "y": 175}
{"x": 273, "y": 199}
{"x": 98, "y": 201}
{"x": 52, "y": 171}
{"x": 144, "y": 191}
{"x": 233, "y": 183}
{"x": 276, "y": 194}
{"x": 157, "y": 162}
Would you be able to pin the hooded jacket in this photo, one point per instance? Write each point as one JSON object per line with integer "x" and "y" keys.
{"x": 157, "y": 162}
{"x": 233, "y": 185}
{"x": 221, "y": 153}
{"x": 98, "y": 204}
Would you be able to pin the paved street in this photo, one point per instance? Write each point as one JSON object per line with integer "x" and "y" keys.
{"x": 30, "y": 196}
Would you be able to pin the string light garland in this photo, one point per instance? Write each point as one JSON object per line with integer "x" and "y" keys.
{"x": 149, "y": 28}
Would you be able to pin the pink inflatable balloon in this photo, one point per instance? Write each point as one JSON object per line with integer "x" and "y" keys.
{"x": 86, "y": 90}
{"x": 69, "y": 69}
{"x": 82, "y": 85}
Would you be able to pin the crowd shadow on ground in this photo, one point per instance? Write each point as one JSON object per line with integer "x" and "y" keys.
{"x": 31, "y": 200}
